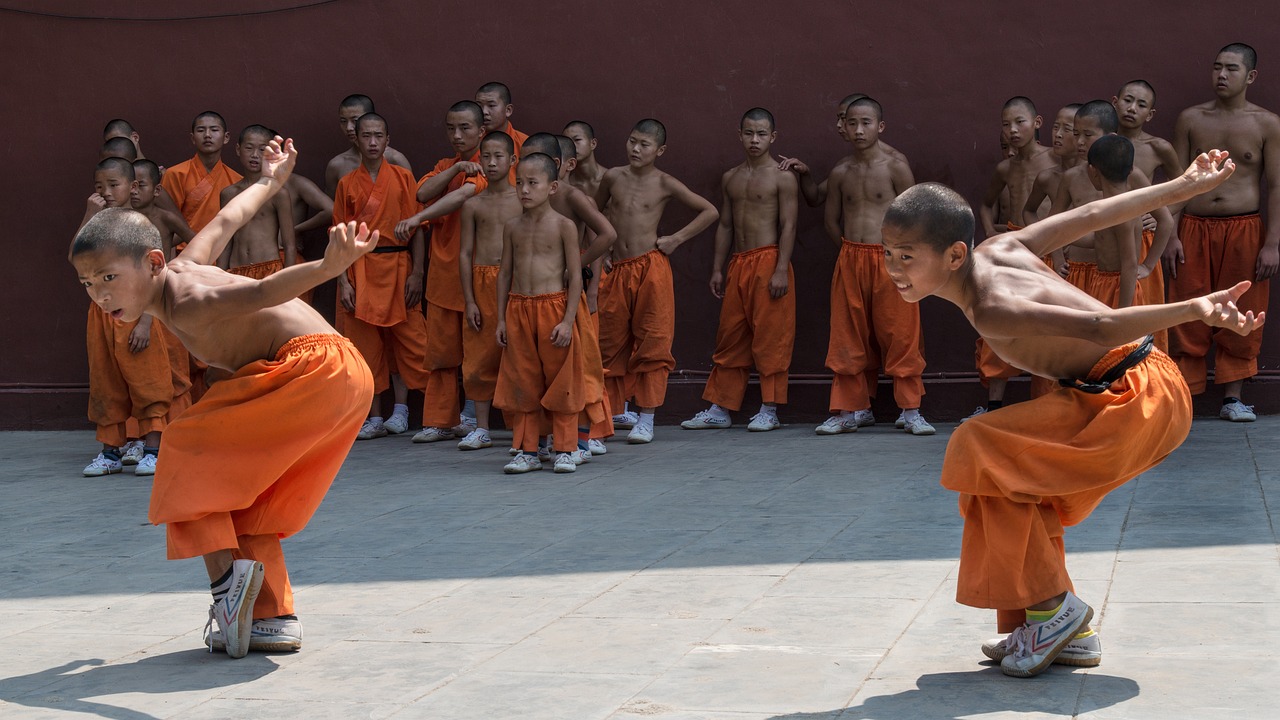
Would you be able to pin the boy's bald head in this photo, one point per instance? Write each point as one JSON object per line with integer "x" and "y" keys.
{"x": 1247, "y": 54}
{"x": 469, "y": 107}
{"x": 1101, "y": 112}
{"x": 363, "y": 102}
{"x": 119, "y": 147}
{"x": 1112, "y": 157}
{"x": 567, "y": 149}
{"x": 938, "y": 215}
{"x": 757, "y": 114}
{"x": 650, "y": 126}
{"x": 207, "y": 115}
{"x": 500, "y": 139}
{"x": 583, "y": 126}
{"x": 118, "y": 165}
{"x": 120, "y": 231}
{"x": 259, "y": 131}
{"x": 370, "y": 117}
{"x": 502, "y": 91}
{"x": 117, "y": 128}
{"x": 1139, "y": 83}
{"x": 148, "y": 170}
{"x": 539, "y": 162}
{"x": 1021, "y": 101}
{"x": 869, "y": 104}
{"x": 850, "y": 98}
{"x": 544, "y": 143}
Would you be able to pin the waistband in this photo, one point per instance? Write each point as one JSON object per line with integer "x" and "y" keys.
{"x": 1011, "y": 227}
{"x": 1107, "y": 273}
{"x": 390, "y": 249}
{"x": 275, "y": 262}
{"x": 861, "y": 247}
{"x": 636, "y": 259}
{"x": 757, "y": 251}
{"x": 1112, "y": 367}
{"x": 485, "y": 268}
{"x": 310, "y": 342}
{"x": 517, "y": 297}
{"x": 1223, "y": 218}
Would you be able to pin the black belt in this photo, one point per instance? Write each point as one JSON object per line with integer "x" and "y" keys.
{"x": 1101, "y": 385}
{"x": 391, "y": 248}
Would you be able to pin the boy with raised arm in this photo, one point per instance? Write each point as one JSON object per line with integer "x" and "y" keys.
{"x": 281, "y": 426}
{"x": 637, "y": 298}
{"x": 1028, "y": 471}
{"x": 758, "y": 310}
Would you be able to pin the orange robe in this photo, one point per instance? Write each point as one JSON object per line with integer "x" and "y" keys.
{"x": 196, "y": 190}
{"x": 637, "y": 312}
{"x": 125, "y": 385}
{"x": 519, "y": 138}
{"x": 381, "y": 325}
{"x": 1220, "y": 252}
{"x": 537, "y": 377}
{"x": 481, "y": 354}
{"x": 865, "y": 304}
{"x": 597, "y": 416}
{"x": 1153, "y": 287}
{"x": 1033, "y": 468}
{"x": 755, "y": 329}
{"x": 258, "y": 271}
{"x": 268, "y": 477}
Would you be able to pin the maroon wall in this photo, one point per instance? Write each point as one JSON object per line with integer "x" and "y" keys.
{"x": 942, "y": 75}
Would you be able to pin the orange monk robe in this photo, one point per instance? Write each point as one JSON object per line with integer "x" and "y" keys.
{"x": 196, "y": 190}
{"x": 179, "y": 376}
{"x": 1153, "y": 287}
{"x": 518, "y": 138}
{"x": 1033, "y": 468}
{"x": 445, "y": 304}
{"x": 637, "y": 312}
{"x": 756, "y": 330}
{"x": 269, "y": 477}
{"x": 381, "y": 325}
{"x": 1219, "y": 252}
{"x": 537, "y": 377}
{"x": 865, "y": 304}
{"x": 125, "y": 385}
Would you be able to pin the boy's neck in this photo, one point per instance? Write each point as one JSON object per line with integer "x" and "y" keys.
{"x": 371, "y": 165}
{"x": 1235, "y": 102}
{"x": 1068, "y": 162}
{"x": 502, "y": 187}
{"x": 870, "y": 152}
{"x": 209, "y": 160}
{"x": 1028, "y": 151}
{"x": 761, "y": 161}
{"x": 537, "y": 212}
{"x": 587, "y": 168}
{"x": 468, "y": 154}
{"x": 1133, "y": 133}
{"x": 251, "y": 178}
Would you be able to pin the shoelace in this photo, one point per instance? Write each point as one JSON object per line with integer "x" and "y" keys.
{"x": 1019, "y": 642}
{"x": 762, "y": 416}
{"x": 707, "y": 417}
{"x": 208, "y": 628}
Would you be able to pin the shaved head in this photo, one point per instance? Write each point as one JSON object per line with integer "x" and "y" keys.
{"x": 540, "y": 161}
{"x": 1141, "y": 84}
{"x": 757, "y": 113}
{"x": 1020, "y": 101}
{"x": 119, "y": 147}
{"x": 370, "y": 117}
{"x": 1102, "y": 112}
{"x": 146, "y": 168}
{"x": 209, "y": 114}
{"x": 1112, "y": 157}
{"x": 567, "y": 149}
{"x": 584, "y": 126}
{"x": 870, "y": 104}
{"x": 1246, "y": 53}
{"x": 504, "y": 92}
{"x": 649, "y": 126}
{"x": 850, "y": 98}
{"x": 117, "y": 230}
{"x": 117, "y": 164}
{"x": 469, "y": 106}
{"x": 263, "y": 131}
{"x": 544, "y": 143}
{"x": 364, "y": 102}
{"x": 118, "y": 127}
{"x": 939, "y": 214}
{"x": 500, "y": 139}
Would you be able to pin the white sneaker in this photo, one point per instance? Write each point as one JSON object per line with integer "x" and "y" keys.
{"x": 131, "y": 453}
{"x": 475, "y": 440}
{"x": 918, "y": 426}
{"x": 640, "y": 434}
{"x": 234, "y": 612}
{"x": 597, "y": 447}
{"x": 901, "y": 422}
{"x": 372, "y": 429}
{"x": 580, "y": 456}
{"x": 835, "y": 425}
{"x": 145, "y": 466}
{"x": 980, "y": 410}
{"x": 397, "y": 423}
{"x": 764, "y": 422}
{"x": 465, "y": 425}
{"x": 1034, "y": 646}
{"x": 865, "y": 418}
{"x": 102, "y": 465}
{"x": 1080, "y": 652}
{"x": 281, "y": 634}
{"x": 522, "y": 463}
{"x": 626, "y": 421}
{"x": 544, "y": 452}
{"x": 433, "y": 434}
{"x": 707, "y": 420}
{"x": 513, "y": 451}
{"x": 565, "y": 463}
{"x": 1237, "y": 412}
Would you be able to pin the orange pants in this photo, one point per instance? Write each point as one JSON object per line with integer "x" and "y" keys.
{"x": 250, "y": 463}
{"x": 865, "y": 304}
{"x": 637, "y": 326}
{"x": 1081, "y": 274}
{"x": 1152, "y": 287}
{"x": 1220, "y": 252}
{"x": 481, "y": 353}
{"x": 124, "y": 384}
{"x": 402, "y": 344}
{"x": 1033, "y": 468}
{"x": 1104, "y": 286}
{"x": 990, "y": 365}
{"x": 537, "y": 377}
{"x": 444, "y": 355}
{"x": 258, "y": 271}
{"x": 597, "y": 416}
{"x": 756, "y": 329}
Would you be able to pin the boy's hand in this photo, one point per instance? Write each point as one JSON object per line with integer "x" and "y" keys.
{"x": 778, "y": 284}
{"x": 406, "y": 228}
{"x": 346, "y": 293}
{"x": 668, "y": 244}
{"x": 1143, "y": 271}
{"x": 1219, "y": 310}
{"x": 717, "y": 284}
{"x": 278, "y": 159}
{"x": 412, "y": 290}
{"x": 1149, "y": 222}
{"x": 501, "y": 333}
{"x": 1268, "y": 262}
{"x": 96, "y": 202}
{"x": 561, "y": 334}
{"x": 473, "y": 316}
{"x": 1208, "y": 171}
{"x": 346, "y": 244}
{"x": 795, "y": 165}
{"x": 468, "y": 168}
{"x": 1173, "y": 256}
{"x": 140, "y": 336}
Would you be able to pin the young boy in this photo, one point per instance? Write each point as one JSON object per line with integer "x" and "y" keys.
{"x": 587, "y": 172}
{"x": 815, "y": 194}
{"x": 542, "y": 365}
{"x": 379, "y": 296}
{"x": 637, "y": 298}
{"x": 129, "y": 372}
{"x": 494, "y": 100}
{"x": 196, "y": 184}
{"x": 254, "y": 251}
{"x": 867, "y": 316}
{"x": 482, "y": 221}
{"x": 345, "y": 162}
{"x": 146, "y": 190}
{"x": 1030, "y": 470}
{"x": 758, "y": 310}
{"x": 290, "y": 368}
{"x": 123, "y": 129}
{"x": 1116, "y": 248}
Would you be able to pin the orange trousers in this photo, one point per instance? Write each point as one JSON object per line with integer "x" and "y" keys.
{"x": 1152, "y": 287}
{"x": 249, "y": 464}
{"x": 444, "y": 354}
{"x": 537, "y": 377}
{"x": 1104, "y": 286}
{"x": 481, "y": 354}
{"x": 1033, "y": 468}
{"x": 1220, "y": 252}
{"x": 597, "y": 416}
{"x": 637, "y": 326}
{"x": 1081, "y": 274}
{"x": 124, "y": 384}
{"x": 398, "y": 348}
{"x": 258, "y": 271}
{"x": 865, "y": 305}
{"x": 756, "y": 329}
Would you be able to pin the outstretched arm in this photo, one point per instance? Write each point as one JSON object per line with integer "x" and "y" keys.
{"x": 277, "y": 162}
{"x": 448, "y": 204}
{"x": 1207, "y": 172}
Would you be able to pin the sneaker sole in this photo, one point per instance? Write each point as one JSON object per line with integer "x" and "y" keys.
{"x": 569, "y": 469}
{"x": 145, "y": 473}
{"x": 706, "y": 427}
{"x": 1053, "y": 653}
{"x": 101, "y": 474}
{"x": 841, "y": 431}
{"x": 274, "y": 645}
{"x": 638, "y": 441}
{"x": 520, "y": 471}
{"x": 475, "y": 447}
{"x": 424, "y": 441}
{"x": 763, "y": 429}
{"x": 245, "y": 616}
{"x": 1063, "y": 658}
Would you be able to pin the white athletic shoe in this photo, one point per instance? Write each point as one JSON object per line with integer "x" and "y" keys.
{"x": 707, "y": 420}
{"x": 372, "y": 429}
{"x": 764, "y": 422}
{"x": 835, "y": 425}
{"x": 1034, "y": 646}
{"x": 145, "y": 466}
{"x": 397, "y": 423}
{"x": 475, "y": 440}
{"x": 597, "y": 447}
{"x": 918, "y": 426}
{"x": 580, "y": 456}
{"x": 640, "y": 434}
{"x": 131, "y": 452}
{"x": 565, "y": 463}
{"x": 465, "y": 425}
{"x": 626, "y": 420}
{"x": 513, "y": 451}
{"x": 102, "y": 465}
{"x": 279, "y": 634}
{"x": 522, "y": 463}
{"x": 865, "y": 418}
{"x": 1237, "y": 412}
{"x": 980, "y": 410}
{"x": 901, "y": 422}
{"x": 433, "y": 434}
{"x": 1080, "y": 652}
{"x": 234, "y": 612}
{"x": 544, "y": 452}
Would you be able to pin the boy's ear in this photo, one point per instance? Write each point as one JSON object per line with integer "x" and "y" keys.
{"x": 957, "y": 254}
{"x": 661, "y": 149}
{"x": 154, "y": 260}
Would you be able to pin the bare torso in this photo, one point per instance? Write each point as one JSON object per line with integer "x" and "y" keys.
{"x": 537, "y": 252}
{"x": 1242, "y": 133}
{"x": 493, "y": 210}
{"x": 1020, "y": 175}
{"x": 588, "y": 183}
{"x": 753, "y": 194}
{"x": 259, "y": 239}
{"x": 635, "y": 206}
{"x": 1080, "y": 191}
{"x": 867, "y": 188}
{"x": 1151, "y": 152}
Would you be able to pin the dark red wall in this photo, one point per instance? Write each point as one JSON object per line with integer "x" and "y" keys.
{"x": 941, "y": 73}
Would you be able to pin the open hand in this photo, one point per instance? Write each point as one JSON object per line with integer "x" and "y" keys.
{"x": 1209, "y": 170}
{"x": 346, "y": 244}
{"x": 795, "y": 165}
{"x": 1219, "y": 310}
{"x": 278, "y": 159}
